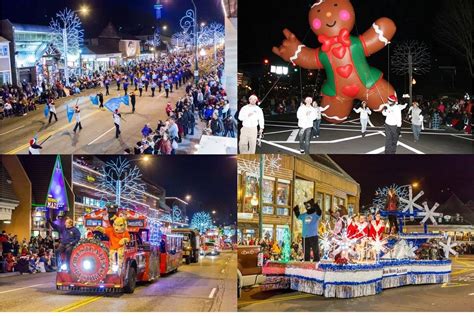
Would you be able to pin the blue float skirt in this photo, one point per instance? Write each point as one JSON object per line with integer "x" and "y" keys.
{"x": 354, "y": 280}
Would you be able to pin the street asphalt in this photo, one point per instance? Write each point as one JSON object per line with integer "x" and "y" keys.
{"x": 98, "y": 133}
{"x": 207, "y": 286}
{"x": 281, "y": 136}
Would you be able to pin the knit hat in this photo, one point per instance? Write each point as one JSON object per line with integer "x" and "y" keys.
{"x": 392, "y": 98}
{"x": 32, "y": 141}
{"x": 253, "y": 97}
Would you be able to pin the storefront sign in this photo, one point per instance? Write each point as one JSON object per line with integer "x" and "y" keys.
{"x": 52, "y": 204}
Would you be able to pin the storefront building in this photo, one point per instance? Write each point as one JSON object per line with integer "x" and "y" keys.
{"x": 5, "y": 65}
{"x": 289, "y": 181}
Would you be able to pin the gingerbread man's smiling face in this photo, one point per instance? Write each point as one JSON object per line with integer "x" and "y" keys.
{"x": 329, "y": 17}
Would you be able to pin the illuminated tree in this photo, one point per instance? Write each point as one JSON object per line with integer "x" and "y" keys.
{"x": 119, "y": 178}
{"x": 201, "y": 221}
{"x": 68, "y": 36}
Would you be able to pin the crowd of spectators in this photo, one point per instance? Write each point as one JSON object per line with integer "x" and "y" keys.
{"x": 33, "y": 256}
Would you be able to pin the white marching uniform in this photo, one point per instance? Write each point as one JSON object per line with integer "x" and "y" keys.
{"x": 251, "y": 117}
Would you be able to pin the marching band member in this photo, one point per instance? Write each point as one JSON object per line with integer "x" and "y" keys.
{"x": 251, "y": 116}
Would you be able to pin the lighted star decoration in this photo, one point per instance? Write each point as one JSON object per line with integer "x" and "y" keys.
{"x": 410, "y": 202}
{"x": 378, "y": 245}
{"x": 325, "y": 243}
{"x": 430, "y": 213}
{"x": 272, "y": 163}
{"x": 344, "y": 245}
{"x": 448, "y": 248}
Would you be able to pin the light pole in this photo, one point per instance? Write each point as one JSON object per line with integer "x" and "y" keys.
{"x": 196, "y": 66}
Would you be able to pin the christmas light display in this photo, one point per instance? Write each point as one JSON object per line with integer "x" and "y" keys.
{"x": 68, "y": 36}
{"x": 381, "y": 196}
{"x": 201, "y": 221}
{"x": 119, "y": 178}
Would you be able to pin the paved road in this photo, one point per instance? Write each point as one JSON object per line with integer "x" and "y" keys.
{"x": 281, "y": 136}
{"x": 209, "y": 285}
{"x": 98, "y": 134}
{"x": 456, "y": 296}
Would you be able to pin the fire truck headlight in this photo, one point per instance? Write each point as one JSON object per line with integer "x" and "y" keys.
{"x": 115, "y": 268}
{"x": 87, "y": 265}
{"x": 63, "y": 267}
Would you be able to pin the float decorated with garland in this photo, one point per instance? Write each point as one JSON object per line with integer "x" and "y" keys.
{"x": 361, "y": 257}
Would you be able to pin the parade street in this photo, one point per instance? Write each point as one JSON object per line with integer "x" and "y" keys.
{"x": 281, "y": 136}
{"x": 98, "y": 133}
{"x": 207, "y": 286}
{"x": 455, "y": 296}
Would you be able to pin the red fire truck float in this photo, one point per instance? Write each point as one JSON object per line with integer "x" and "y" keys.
{"x": 90, "y": 268}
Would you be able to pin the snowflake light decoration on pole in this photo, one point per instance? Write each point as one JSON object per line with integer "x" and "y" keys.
{"x": 430, "y": 214}
{"x": 448, "y": 247}
{"x": 381, "y": 196}
{"x": 68, "y": 36}
{"x": 120, "y": 179}
{"x": 272, "y": 163}
{"x": 201, "y": 221}
{"x": 410, "y": 202}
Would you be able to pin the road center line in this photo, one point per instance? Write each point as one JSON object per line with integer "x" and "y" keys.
{"x": 12, "y": 130}
{"x": 21, "y": 288}
{"x": 213, "y": 291}
{"x": 78, "y": 304}
{"x": 102, "y": 135}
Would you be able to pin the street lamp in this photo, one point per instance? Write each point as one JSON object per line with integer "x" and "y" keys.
{"x": 213, "y": 211}
{"x": 188, "y": 197}
{"x": 196, "y": 66}
{"x": 165, "y": 27}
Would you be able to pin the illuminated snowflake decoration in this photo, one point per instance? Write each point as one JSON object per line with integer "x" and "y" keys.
{"x": 411, "y": 250}
{"x": 410, "y": 204}
{"x": 119, "y": 178}
{"x": 326, "y": 244}
{"x": 344, "y": 245}
{"x": 272, "y": 163}
{"x": 378, "y": 245}
{"x": 251, "y": 167}
{"x": 448, "y": 248}
{"x": 201, "y": 221}
{"x": 381, "y": 195}
{"x": 430, "y": 214}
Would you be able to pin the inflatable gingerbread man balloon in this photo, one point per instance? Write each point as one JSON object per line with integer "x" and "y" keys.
{"x": 343, "y": 56}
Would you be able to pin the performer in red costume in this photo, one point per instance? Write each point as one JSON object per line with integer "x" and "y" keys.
{"x": 377, "y": 228}
{"x": 392, "y": 207}
{"x": 343, "y": 56}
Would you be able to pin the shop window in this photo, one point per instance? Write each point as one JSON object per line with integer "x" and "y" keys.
{"x": 327, "y": 203}
{"x": 283, "y": 211}
{"x": 268, "y": 189}
{"x": 267, "y": 231}
{"x": 283, "y": 193}
{"x": 267, "y": 210}
{"x": 250, "y": 194}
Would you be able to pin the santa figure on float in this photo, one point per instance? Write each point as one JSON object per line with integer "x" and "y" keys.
{"x": 343, "y": 56}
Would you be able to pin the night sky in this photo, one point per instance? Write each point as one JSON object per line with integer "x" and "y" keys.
{"x": 261, "y": 26}
{"x": 132, "y": 16}
{"x": 438, "y": 175}
{"x": 210, "y": 180}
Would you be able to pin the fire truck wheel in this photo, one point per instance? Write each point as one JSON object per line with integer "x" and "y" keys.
{"x": 131, "y": 281}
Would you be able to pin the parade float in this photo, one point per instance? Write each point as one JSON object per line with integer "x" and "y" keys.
{"x": 360, "y": 261}
{"x": 121, "y": 247}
